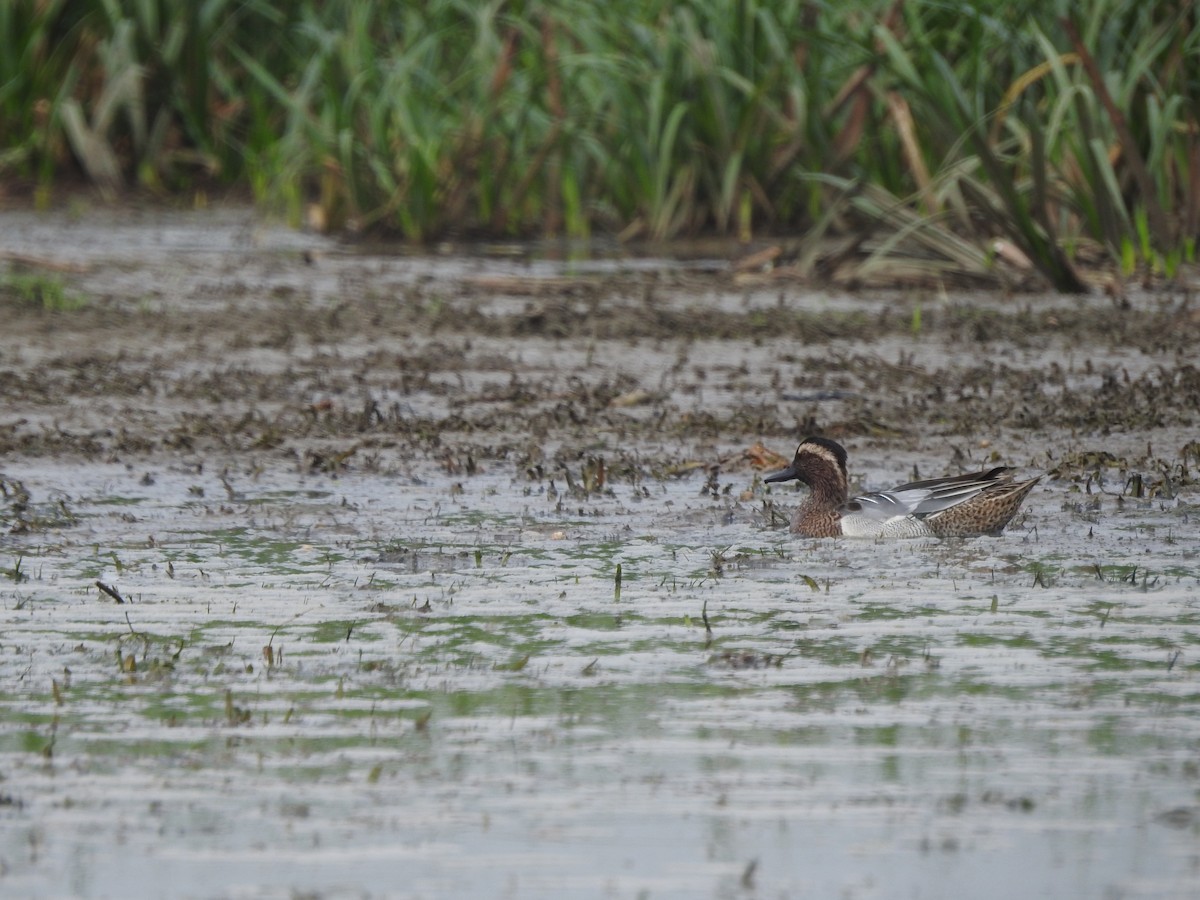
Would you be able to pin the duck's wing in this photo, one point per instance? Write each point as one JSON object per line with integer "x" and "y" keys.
{"x": 997, "y": 475}
{"x": 944, "y": 493}
{"x": 884, "y": 505}
{"x": 924, "y": 498}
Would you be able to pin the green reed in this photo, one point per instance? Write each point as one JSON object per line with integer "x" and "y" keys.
{"x": 1069, "y": 131}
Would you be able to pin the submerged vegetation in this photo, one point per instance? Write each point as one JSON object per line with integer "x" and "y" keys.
{"x": 1034, "y": 136}
{"x": 35, "y": 291}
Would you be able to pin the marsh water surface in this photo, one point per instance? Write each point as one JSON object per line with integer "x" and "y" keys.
{"x": 333, "y": 573}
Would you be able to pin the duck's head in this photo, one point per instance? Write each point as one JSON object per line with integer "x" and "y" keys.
{"x": 819, "y": 463}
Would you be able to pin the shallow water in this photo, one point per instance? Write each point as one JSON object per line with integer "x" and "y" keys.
{"x": 405, "y": 680}
{"x": 458, "y": 703}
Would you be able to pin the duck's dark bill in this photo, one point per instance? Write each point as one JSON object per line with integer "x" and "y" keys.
{"x": 784, "y": 475}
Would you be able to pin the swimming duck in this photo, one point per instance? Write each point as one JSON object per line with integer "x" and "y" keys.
{"x": 962, "y": 506}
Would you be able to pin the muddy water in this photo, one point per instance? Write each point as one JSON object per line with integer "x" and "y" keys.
{"x": 367, "y": 511}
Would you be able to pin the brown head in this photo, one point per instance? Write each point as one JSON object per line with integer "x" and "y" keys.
{"x": 821, "y": 464}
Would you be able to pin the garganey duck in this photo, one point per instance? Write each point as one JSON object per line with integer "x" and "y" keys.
{"x": 961, "y": 506}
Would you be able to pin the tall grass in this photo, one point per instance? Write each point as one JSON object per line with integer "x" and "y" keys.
{"x": 1069, "y": 130}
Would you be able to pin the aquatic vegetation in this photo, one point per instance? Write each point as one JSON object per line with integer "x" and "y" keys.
{"x": 49, "y": 293}
{"x": 969, "y": 143}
